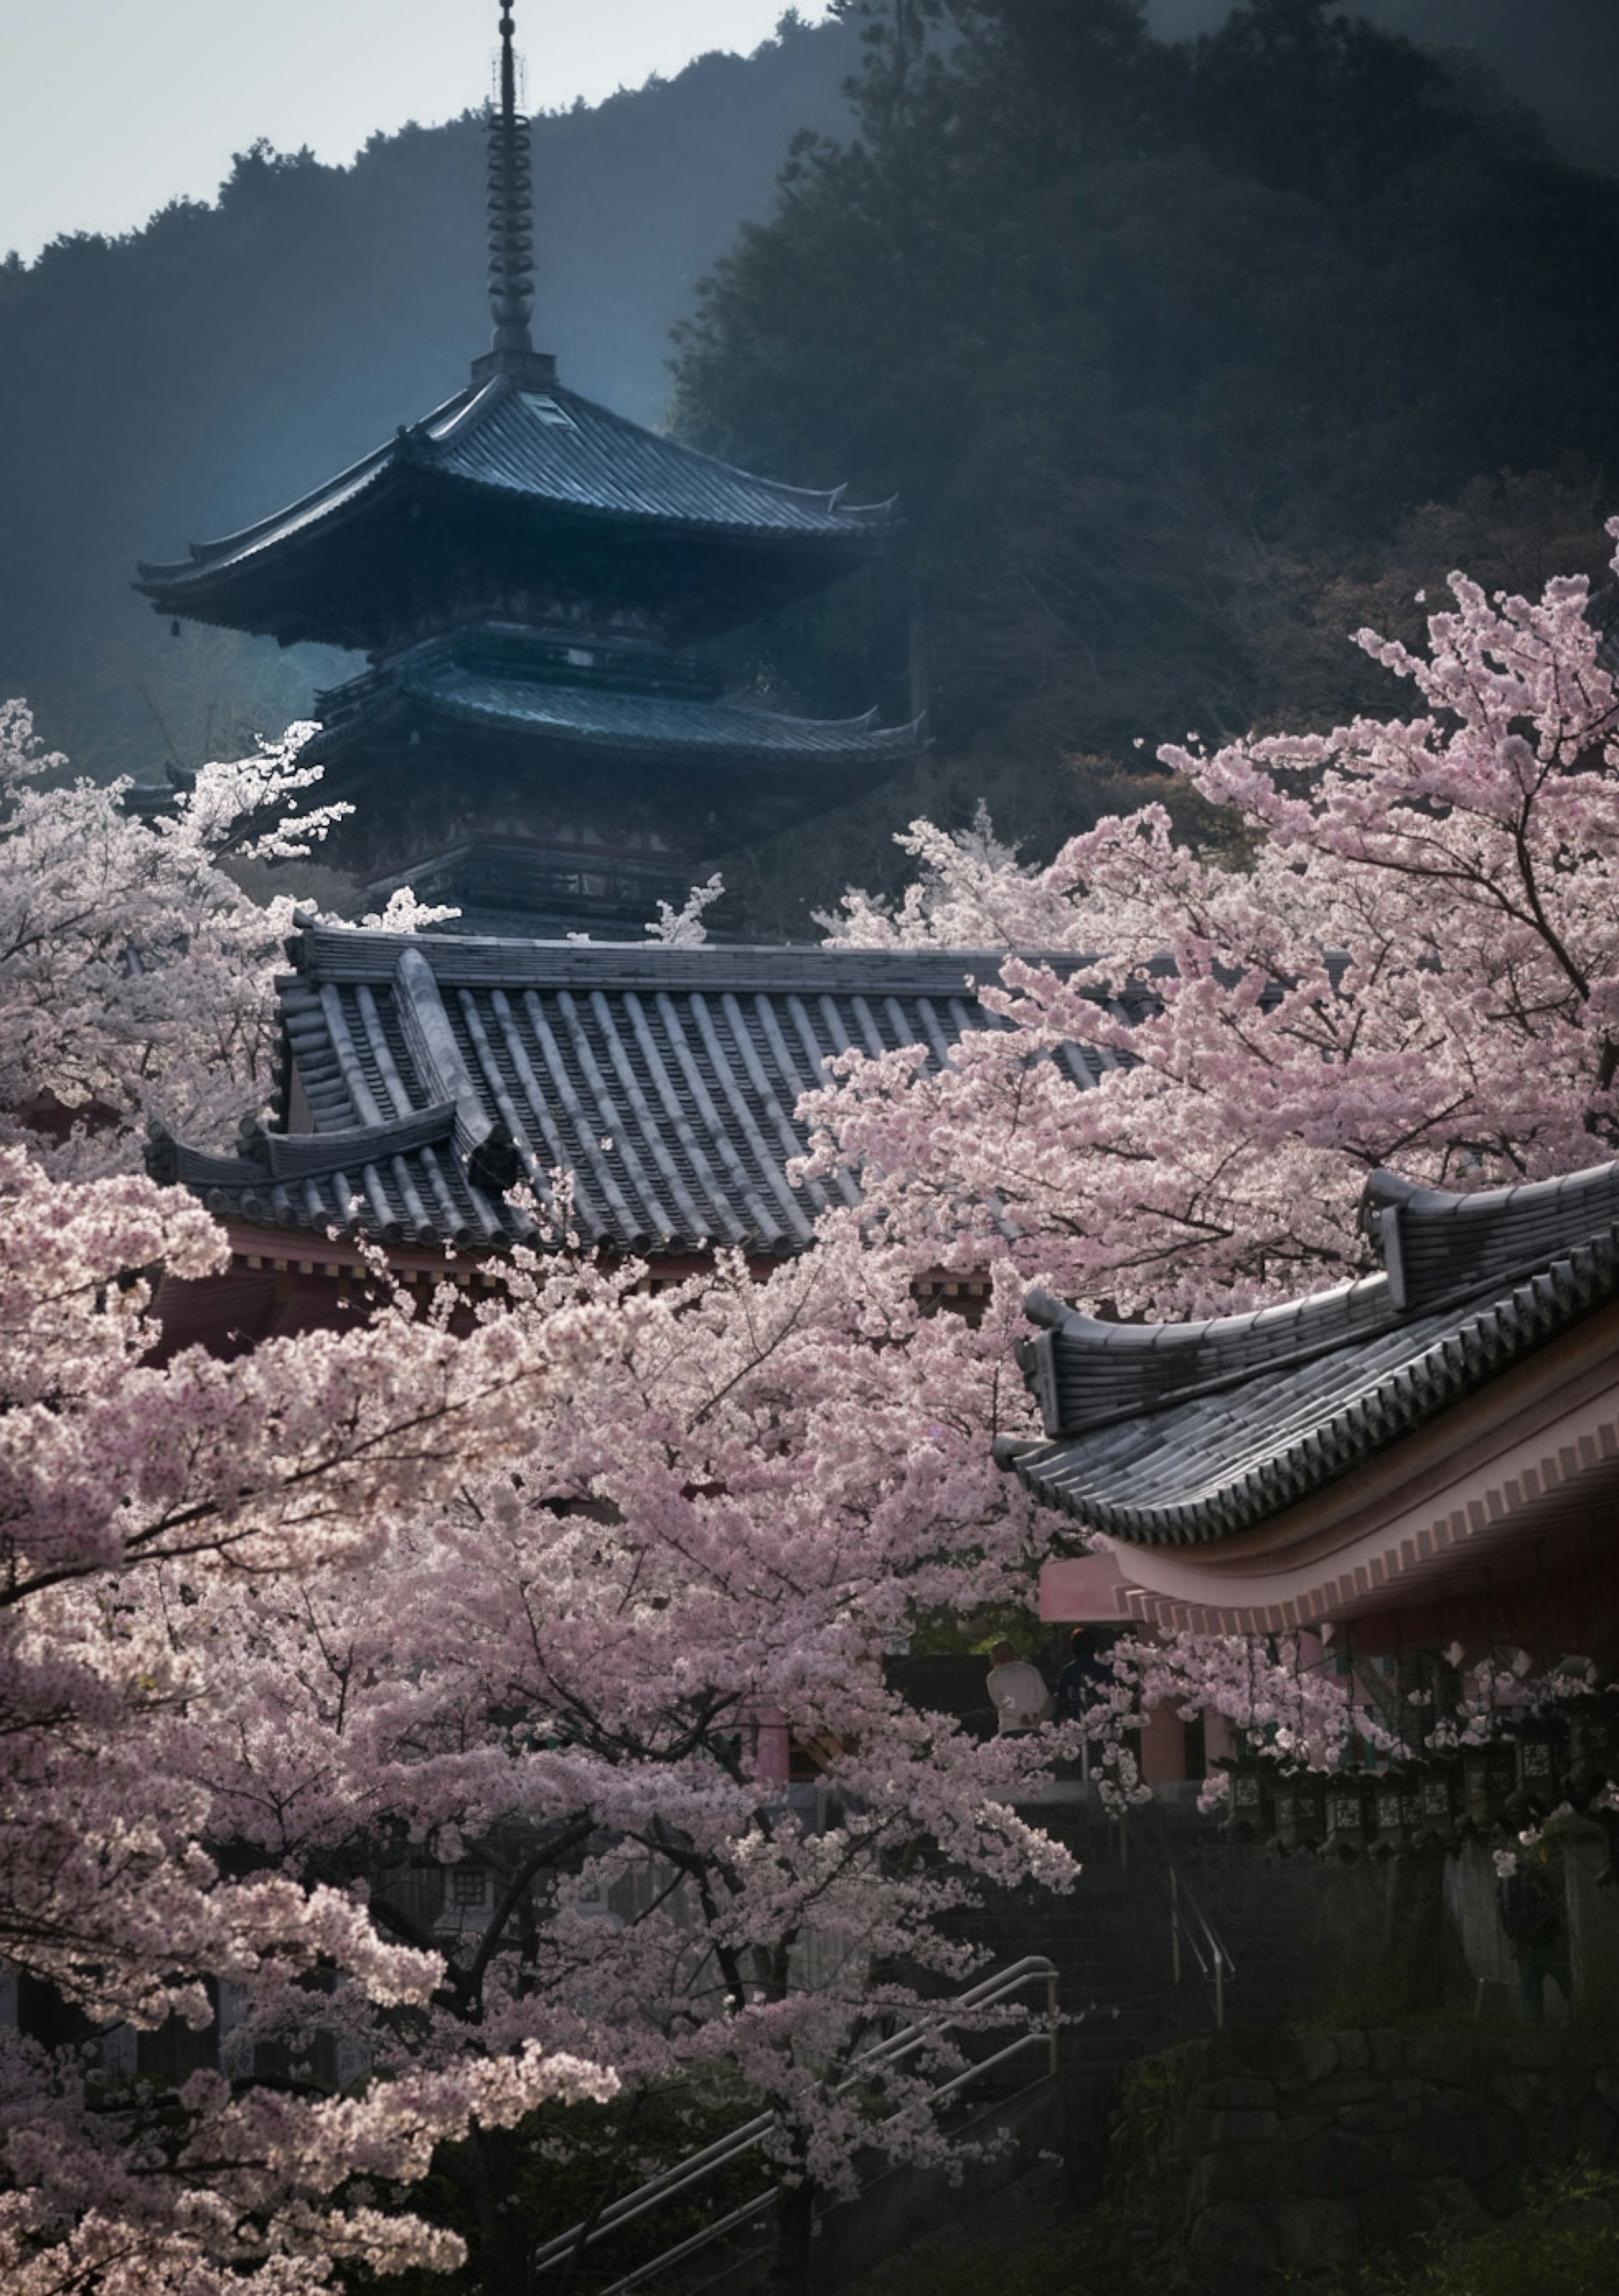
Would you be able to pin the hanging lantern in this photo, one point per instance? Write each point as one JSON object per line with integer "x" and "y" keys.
{"x": 1398, "y": 1809}
{"x": 1350, "y": 1813}
{"x": 1300, "y": 1813}
{"x": 1310, "y": 1809}
{"x": 1285, "y": 1840}
{"x": 1248, "y": 1812}
{"x": 1538, "y": 1768}
{"x": 1437, "y": 1792}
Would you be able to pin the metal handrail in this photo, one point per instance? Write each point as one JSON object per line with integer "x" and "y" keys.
{"x": 696, "y": 2166}
{"x": 694, "y": 2242}
{"x": 1215, "y": 1965}
{"x": 1191, "y": 1926}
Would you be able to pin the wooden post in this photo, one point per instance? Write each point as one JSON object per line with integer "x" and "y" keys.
{"x": 1175, "y": 1923}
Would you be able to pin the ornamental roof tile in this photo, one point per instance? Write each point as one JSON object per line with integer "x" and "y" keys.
{"x": 564, "y": 448}
{"x": 1163, "y": 1435}
{"x": 434, "y": 1074}
{"x": 558, "y": 450}
{"x": 668, "y": 726}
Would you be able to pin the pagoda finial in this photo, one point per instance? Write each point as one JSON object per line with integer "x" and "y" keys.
{"x": 511, "y": 227}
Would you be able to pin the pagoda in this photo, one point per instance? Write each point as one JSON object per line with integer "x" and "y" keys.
{"x": 535, "y": 738}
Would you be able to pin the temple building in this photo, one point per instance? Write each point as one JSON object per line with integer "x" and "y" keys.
{"x": 422, "y": 1077}
{"x": 1428, "y": 1455}
{"x": 536, "y": 737}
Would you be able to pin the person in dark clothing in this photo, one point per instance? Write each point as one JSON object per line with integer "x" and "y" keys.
{"x": 1085, "y": 1673}
{"x": 1533, "y": 1914}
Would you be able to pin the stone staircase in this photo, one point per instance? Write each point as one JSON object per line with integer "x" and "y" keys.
{"x": 1111, "y": 1941}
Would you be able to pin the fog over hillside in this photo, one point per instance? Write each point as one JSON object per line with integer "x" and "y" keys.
{"x": 196, "y": 375}
{"x": 1560, "y": 57}
{"x": 191, "y": 378}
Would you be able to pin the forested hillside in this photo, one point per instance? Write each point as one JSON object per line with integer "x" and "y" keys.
{"x": 182, "y": 381}
{"x": 1186, "y": 355}
{"x": 1165, "y": 346}
{"x": 1560, "y": 57}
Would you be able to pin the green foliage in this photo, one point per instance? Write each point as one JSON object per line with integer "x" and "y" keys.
{"x": 1565, "y": 2243}
{"x": 937, "y": 1634}
{"x": 1152, "y": 340}
{"x": 572, "y": 2161}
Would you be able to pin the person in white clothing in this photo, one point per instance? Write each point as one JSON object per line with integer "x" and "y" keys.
{"x": 1018, "y": 1692}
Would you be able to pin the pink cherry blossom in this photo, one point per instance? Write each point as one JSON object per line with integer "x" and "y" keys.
{"x": 288, "y": 1643}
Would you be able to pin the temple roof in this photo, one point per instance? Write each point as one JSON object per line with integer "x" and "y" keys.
{"x": 427, "y": 1076}
{"x": 503, "y": 471}
{"x": 669, "y": 728}
{"x": 1181, "y": 1435}
{"x": 518, "y": 497}
{"x": 553, "y": 447}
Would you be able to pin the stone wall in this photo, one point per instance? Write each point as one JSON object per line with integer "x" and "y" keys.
{"x": 1245, "y": 2161}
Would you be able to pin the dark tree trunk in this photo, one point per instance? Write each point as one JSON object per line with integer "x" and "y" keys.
{"x": 485, "y": 2166}
{"x": 794, "y": 2224}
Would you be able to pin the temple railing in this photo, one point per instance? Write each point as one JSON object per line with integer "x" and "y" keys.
{"x": 697, "y": 2168}
{"x": 1193, "y": 1936}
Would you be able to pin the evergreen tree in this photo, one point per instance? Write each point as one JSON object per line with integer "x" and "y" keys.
{"x": 1139, "y": 331}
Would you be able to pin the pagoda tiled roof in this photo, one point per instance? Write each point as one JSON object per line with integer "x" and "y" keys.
{"x": 1185, "y": 1434}
{"x": 667, "y": 727}
{"x": 551, "y": 448}
{"x": 430, "y": 1075}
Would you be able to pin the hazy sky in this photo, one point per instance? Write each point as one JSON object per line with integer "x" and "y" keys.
{"x": 110, "y": 108}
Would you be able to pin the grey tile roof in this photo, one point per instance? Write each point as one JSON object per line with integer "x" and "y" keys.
{"x": 671, "y": 727}
{"x": 432, "y": 1073}
{"x": 1180, "y": 1434}
{"x": 553, "y": 448}
{"x": 595, "y": 460}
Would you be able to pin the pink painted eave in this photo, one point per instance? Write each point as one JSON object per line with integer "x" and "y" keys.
{"x": 1520, "y": 1481}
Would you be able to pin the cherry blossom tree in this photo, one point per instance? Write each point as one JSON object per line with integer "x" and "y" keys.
{"x": 136, "y": 979}
{"x": 135, "y": 974}
{"x": 1401, "y": 945}
{"x": 1404, "y": 951}
{"x": 521, "y": 1601}
{"x": 515, "y": 1602}
{"x": 133, "y": 1496}
{"x": 554, "y": 1687}
{"x": 511, "y": 1600}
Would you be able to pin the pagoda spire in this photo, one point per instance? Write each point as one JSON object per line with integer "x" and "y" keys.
{"x": 510, "y": 230}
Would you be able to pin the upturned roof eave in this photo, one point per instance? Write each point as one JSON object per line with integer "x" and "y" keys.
{"x": 1511, "y": 1487}
{"x": 1173, "y": 1477}
{"x": 830, "y": 747}
{"x": 851, "y": 529}
{"x": 211, "y": 556}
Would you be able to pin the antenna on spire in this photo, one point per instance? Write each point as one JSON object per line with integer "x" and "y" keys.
{"x": 510, "y": 231}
